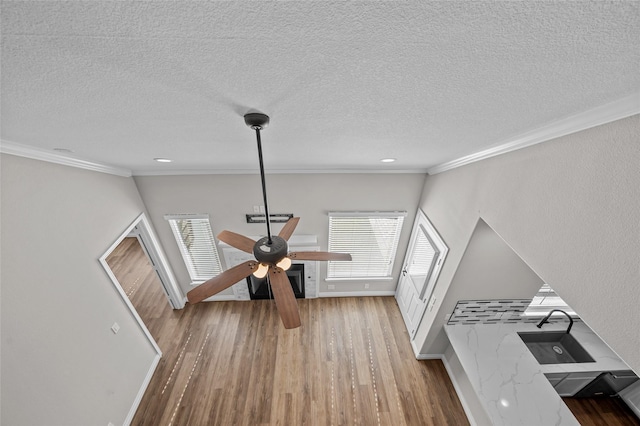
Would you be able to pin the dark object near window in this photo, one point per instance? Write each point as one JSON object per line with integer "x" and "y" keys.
{"x": 258, "y": 288}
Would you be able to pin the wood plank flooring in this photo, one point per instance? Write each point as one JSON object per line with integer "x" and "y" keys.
{"x": 601, "y": 411}
{"x": 233, "y": 363}
{"x": 134, "y": 272}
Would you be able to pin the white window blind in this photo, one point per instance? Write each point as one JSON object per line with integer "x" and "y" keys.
{"x": 370, "y": 238}
{"x": 197, "y": 245}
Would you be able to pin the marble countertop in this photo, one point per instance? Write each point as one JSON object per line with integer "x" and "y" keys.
{"x": 508, "y": 380}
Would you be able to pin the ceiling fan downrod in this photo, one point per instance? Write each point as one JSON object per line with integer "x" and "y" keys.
{"x": 257, "y": 122}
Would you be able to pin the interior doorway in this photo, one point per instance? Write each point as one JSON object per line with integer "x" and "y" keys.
{"x": 140, "y": 273}
{"x": 422, "y": 265}
{"x": 137, "y": 277}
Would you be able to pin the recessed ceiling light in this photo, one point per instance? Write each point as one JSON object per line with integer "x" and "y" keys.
{"x": 162, "y": 160}
{"x": 388, "y": 160}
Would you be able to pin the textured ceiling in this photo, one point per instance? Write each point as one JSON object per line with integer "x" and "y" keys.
{"x": 345, "y": 84}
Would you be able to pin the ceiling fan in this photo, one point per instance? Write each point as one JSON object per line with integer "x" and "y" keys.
{"x": 271, "y": 253}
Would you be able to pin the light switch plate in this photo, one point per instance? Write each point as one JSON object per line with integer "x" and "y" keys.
{"x": 432, "y": 304}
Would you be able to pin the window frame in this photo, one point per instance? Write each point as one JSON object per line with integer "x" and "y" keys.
{"x": 339, "y": 246}
{"x": 207, "y": 240}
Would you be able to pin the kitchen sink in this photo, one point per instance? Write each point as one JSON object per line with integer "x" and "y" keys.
{"x": 554, "y": 347}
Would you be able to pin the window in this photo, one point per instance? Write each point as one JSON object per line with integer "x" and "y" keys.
{"x": 546, "y": 300}
{"x": 370, "y": 237}
{"x": 197, "y": 246}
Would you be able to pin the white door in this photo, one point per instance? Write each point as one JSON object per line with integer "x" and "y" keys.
{"x": 420, "y": 271}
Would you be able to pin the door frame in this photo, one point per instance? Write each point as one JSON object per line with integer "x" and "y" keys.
{"x": 422, "y": 224}
{"x": 143, "y": 231}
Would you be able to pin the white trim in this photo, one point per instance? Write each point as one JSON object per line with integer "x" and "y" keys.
{"x": 458, "y": 389}
{"x": 126, "y": 300}
{"x": 143, "y": 389}
{"x": 423, "y": 222}
{"x": 405, "y": 282}
{"x": 357, "y": 293}
{"x": 170, "y": 283}
{"x": 8, "y": 147}
{"x": 610, "y": 112}
{"x": 274, "y": 172}
{"x": 452, "y": 377}
{"x": 613, "y": 111}
{"x": 420, "y": 356}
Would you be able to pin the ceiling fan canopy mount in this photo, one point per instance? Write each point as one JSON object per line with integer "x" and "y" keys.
{"x": 256, "y": 120}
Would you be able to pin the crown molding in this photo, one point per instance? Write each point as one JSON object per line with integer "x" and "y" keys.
{"x": 617, "y": 110}
{"x": 7, "y": 147}
{"x": 274, "y": 172}
{"x": 607, "y": 113}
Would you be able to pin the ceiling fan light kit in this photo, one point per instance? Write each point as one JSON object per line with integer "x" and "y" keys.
{"x": 271, "y": 252}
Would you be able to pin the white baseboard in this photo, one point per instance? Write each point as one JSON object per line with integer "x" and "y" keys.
{"x": 357, "y": 293}
{"x": 423, "y": 357}
{"x": 143, "y": 389}
{"x": 452, "y": 377}
{"x": 456, "y": 387}
{"x": 231, "y": 297}
{"x": 221, "y": 298}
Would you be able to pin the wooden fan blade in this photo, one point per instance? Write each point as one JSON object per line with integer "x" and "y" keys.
{"x": 238, "y": 241}
{"x": 222, "y": 281}
{"x": 318, "y": 255}
{"x": 284, "y": 297}
{"x": 288, "y": 228}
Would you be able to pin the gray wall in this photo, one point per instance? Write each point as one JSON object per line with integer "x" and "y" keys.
{"x": 570, "y": 208}
{"x": 227, "y": 198}
{"x": 490, "y": 269}
{"x": 61, "y": 364}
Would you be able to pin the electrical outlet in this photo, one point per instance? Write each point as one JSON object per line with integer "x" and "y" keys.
{"x": 256, "y": 209}
{"x": 366, "y": 285}
{"x": 115, "y": 328}
{"x": 331, "y": 286}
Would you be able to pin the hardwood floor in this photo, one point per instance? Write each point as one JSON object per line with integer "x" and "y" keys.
{"x": 601, "y": 411}
{"x": 351, "y": 363}
{"x": 232, "y": 363}
{"x": 130, "y": 265}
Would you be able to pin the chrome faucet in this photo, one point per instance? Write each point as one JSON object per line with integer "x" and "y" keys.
{"x": 546, "y": 319}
